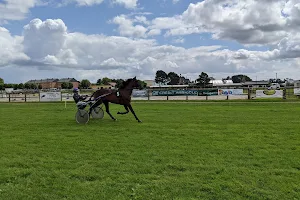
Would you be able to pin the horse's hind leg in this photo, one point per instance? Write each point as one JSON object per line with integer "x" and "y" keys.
{"x": 123, "y": 113}
{"x": 131, "y": 109}
{"x": 107, "y": 110}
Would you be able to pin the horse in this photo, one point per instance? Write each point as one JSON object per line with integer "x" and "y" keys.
{"x": 122, "y": 96}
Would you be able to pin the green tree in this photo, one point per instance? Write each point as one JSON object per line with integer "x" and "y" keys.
{"x": 2, "y": 86}
{"x": 1, "y": 81}
{"x": 33, "y": 86}
{"x": 240, "y": 78}
{"x": 118, "y": 82}
{"x": 99, "y": 81}
{"x": 15, "y": 86}
{"x": 27, "y": 85}
{"x": 142, "y": 84}
{"x": 85, "y": 84}
{"x": 161, "y": 77}
{"x": 8, "y": 85}
{"x": 21, "y": 86}
{"x": 64, "y": 85}
{"x": 70, "y": 85}
{"x": 106, "y": 80}
{"x": 203, "y": 79}
{"x": 174, "y": 78}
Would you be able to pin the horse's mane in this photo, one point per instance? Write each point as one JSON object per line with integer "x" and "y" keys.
{"x": 125, "y": 83}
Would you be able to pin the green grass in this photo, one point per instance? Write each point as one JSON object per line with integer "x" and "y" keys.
{"x": 224, "y": 150}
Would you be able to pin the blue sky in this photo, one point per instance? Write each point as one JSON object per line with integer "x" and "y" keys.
{"x": 220, "y": 38}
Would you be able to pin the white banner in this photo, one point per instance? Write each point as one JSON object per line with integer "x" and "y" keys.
{"x": 50, "y": 96}
{"x": 269, "y": 93}
{"x": 228, "y": 92}
{"x": 296, "y": 91}
{"x": 139, "y": 93}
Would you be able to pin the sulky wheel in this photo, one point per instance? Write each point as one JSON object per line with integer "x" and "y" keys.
{"x": 97, "y": 113}
{"x": 82, "y": 116}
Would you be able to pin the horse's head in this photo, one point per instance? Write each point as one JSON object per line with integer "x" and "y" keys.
{"x": 136, "y": 83}
{"x": 130, "y": 84}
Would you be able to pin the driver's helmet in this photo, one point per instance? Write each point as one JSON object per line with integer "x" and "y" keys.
{"x": 75, "y": 90}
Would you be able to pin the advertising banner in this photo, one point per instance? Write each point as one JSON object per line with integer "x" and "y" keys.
{"x": 207, "y": 92}
{"x": 296, "y": 91}
{"x": 269, "y": 93}
{"x": 139, "y": 93}
{"x": 50, "y": 96}
{"x": 227, "y": 92}
{"x": 174, "y": 92}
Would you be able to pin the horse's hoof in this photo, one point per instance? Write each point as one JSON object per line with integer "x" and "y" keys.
{"x": 139, "y": 121}
{"x": 118, "y": 113}
{"x": 115, "y": 119}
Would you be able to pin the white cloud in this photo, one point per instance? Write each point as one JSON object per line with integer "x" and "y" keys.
{"x": 49, "y": 46}
{"x": 11, "y": 49}
{"x": 130, "y": 4}
{"x": 249, "y": 22}
{"x": 127, "y": 28}
{"x": 175, "y": 1}
{"x": 80, "y": 2}
{"x": 15, "y": 9}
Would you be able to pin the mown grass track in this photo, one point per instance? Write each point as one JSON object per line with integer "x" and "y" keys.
{"x": 223, "y": 150}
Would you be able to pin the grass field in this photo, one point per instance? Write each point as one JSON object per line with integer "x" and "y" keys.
{"x": 222, "y": 150}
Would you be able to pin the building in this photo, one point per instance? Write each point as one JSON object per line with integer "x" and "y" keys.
{"x": 225, "y": 83}
{"x": 67, "y": 80}
{"x": 54, "y": 82}
{"x": 150, "y": 82}
{"x": 256, "y": 84}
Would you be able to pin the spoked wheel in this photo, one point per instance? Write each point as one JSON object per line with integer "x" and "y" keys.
{"x": 97, "y": 113}
{"x": 82, "y": 116}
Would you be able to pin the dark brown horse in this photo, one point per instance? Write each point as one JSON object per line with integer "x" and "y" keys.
{"x": 121, "y": 96}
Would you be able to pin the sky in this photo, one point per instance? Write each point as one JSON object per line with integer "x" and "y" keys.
{"x": 92, "y": 39}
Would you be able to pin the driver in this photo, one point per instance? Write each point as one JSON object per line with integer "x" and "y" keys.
{"x": 78, "y": 97}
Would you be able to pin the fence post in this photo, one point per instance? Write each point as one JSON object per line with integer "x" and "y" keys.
{"x": 284, "y": 93}
{"x": 148, "y": 91}
{"x": 249, "y": 93}
{"x": 167, "y": 94}
{"x": 25, "y": 97}
{"x": 9, "y": 97}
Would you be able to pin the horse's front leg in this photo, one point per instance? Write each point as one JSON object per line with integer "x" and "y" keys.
{"x": 123, "y": 113}
{"x": 107, "y": 110}
{"x": 131, "y": 109}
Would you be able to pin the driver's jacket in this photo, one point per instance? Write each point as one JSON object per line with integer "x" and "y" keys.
{"x": 77, "y": 97}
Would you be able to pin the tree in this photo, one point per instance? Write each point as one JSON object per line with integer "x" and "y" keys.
{"x": 118, "y": 82}
{"x": 27, "y": 85}
{"x": 33, "y": 86}
{"x": 64, "y": 85}
{"x": 106, "y": 80}
{"x": 173, "y": 78}
{"x": 161, "y": 77}
{"x": 1, "y": 81}
{"x": 99, "y": 81}
{"x": 227, "y": 78}
{"x": 85, "y": 84}
{"x": 2, "y": 86}
{"x": 70, "y": 85}
{"x": 142, "y": 84}
{"x": 203, "y": 79}
{"x": 240, "y": 78}
{"x": 21, "y": 86}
